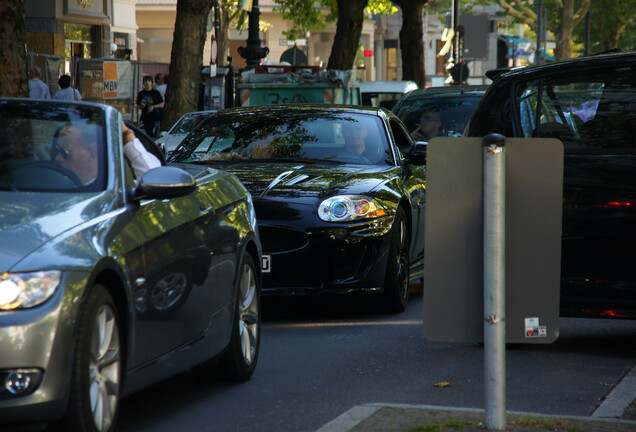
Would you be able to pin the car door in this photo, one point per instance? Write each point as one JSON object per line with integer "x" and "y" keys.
{"x": 189, "y": 255}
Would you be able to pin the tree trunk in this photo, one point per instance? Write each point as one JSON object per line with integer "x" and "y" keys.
{"x": 13, "y": 58}
{"x": 224, "y": 36}
{"x": 186, "y": 59}
{"x": 411, "y": 41}
{"x": 348, "y": 31}
{"x": 564, "y": 31}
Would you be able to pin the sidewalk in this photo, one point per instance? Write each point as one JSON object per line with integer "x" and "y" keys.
{"x": 617, "y": 413}
{"x": 424, "y": 418}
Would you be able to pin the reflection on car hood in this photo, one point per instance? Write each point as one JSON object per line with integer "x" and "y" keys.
{"x": 30, "y": 220}
{"x": 307, "y": 181}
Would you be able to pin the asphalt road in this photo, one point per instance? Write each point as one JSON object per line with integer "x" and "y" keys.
{"x": 320, "y": 357}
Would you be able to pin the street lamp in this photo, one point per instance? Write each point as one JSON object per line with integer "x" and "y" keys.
{"x": 253, "y": 52}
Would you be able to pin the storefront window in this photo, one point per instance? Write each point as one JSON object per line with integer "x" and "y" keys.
{"x": 79, "y": 40}
{"x": 391, "y": 64}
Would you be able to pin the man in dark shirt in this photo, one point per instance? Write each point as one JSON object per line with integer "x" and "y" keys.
{"x": 149, "y": 100}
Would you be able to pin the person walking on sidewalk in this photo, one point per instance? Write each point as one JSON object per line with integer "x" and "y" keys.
{"x": 37, "y": 88}
{"x": 148, "y": 102}
{"x": 67, "y": 92}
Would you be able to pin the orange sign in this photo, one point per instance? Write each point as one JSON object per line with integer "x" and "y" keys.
{"x": 111, "y": 79}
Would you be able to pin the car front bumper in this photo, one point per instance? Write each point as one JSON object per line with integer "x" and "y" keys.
{"x": 40, "y": 340}
{"x": 325, "y": 257}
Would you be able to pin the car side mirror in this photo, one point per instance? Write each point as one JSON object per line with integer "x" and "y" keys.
{"x": 417, "y": 155}
{"x": 165, "y": 182}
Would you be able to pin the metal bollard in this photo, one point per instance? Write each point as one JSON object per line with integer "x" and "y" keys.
{"x": 494, "y": 196}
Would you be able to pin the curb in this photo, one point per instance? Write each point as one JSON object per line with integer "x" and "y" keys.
{"x": 359, "y": 413}
{"x": 609, "y": 411}
{"x": 619, "y": 398}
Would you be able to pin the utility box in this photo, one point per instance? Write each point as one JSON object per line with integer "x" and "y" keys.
{"x": 279, "y": 84}
{"x": 216, "y": 91}
{"x": 453, "y": 262}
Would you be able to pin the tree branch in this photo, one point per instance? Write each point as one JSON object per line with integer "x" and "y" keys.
{"x": 579, "y": 14}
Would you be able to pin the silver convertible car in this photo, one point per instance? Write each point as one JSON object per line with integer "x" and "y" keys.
{"x": 110, "y": 283}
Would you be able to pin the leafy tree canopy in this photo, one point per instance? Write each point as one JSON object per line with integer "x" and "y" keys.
{"x": 306, "y": 15}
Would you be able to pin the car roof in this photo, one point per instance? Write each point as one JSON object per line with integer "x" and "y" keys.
{"x": 388, "y": 86}
{"x": 357, "y": 109}
{"x": 593, "y": 61}
{"x": 451, "y": 91}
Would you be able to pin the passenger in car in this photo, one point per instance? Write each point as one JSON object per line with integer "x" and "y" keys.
{"x": 428, "y": 126}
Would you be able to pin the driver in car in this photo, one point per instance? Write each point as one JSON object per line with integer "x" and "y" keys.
{"x": 75, "y": 147}
{"x": 358, "y": 142}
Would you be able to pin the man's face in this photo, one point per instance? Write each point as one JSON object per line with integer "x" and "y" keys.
{"x": 148, "y": 84}
{"x": 355, "y": 140}
{"x": 79, "y": 159}
{"x": 430, "y": 123}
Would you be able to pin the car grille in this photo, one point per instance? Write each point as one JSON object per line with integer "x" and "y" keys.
{"x": 281, "y": 239}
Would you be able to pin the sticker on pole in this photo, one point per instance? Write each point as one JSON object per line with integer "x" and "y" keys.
{"x": 533, "y": 329}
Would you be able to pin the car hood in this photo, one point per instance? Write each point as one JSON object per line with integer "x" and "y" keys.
{"x": 307, "y": 181}
{"x": 34, "y": 219}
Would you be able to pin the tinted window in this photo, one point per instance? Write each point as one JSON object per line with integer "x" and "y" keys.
{"x": 453, "y": 112}
{"x": 586, "y": 110}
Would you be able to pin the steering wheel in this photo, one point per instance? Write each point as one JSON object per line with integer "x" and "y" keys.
{"x": 353, "y": 158}
{"x": 64, "y": 177}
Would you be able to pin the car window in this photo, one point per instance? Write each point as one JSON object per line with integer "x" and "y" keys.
{"x": 453, "y": 112}
{"x": 587, "y": 110}
{"x": 52, "y": 147}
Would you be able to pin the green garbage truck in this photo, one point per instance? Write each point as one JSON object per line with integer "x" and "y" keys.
{"x": 276, "y": 84}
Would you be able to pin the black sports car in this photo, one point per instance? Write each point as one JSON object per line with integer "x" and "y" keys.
{"x": 338, "y": 191}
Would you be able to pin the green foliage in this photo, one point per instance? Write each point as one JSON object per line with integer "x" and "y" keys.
{"x": 304, "y": 15}
{"x": 607, "y": 18}
{"x": 307, "y": 15}
{"x": 380, "y": 7}
{"x": 444, "y": 7}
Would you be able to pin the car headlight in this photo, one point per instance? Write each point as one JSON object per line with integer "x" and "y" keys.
{"x": 25, "y": 290}
{"x": 349, "y": 207}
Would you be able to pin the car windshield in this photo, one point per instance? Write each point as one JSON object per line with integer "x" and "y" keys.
{"x": 188, "y": 122}
{"x": 51, "y": 147}
{"x": 288, "y": 135}
{"x": 453, "y": 113}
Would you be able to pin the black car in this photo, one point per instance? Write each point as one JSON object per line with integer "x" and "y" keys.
{"x": 110, "y": 283}
{"x": 590, "y": 105}
{"x": 338, "y": 191}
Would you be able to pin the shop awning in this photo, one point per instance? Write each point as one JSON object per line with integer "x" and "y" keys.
{"x": 519, "y": 47}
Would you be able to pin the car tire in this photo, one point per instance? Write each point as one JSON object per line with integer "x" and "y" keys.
{"x": 396, "y": 282}
{"x": 97, "y": 366}
{"x": 238, "y": 362}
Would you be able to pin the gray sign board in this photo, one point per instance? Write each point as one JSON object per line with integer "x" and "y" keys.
{"x": 453, "y": 263}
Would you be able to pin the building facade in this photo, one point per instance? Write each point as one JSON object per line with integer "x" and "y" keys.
{"x": 143, "y": 30}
